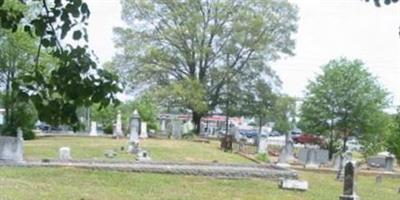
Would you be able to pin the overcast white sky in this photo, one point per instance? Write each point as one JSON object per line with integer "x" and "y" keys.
{"x": 327, "y": 29}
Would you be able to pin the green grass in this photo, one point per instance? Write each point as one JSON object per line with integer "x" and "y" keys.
{"x": 71, "y": 183}
{"x": 161, "y": 150}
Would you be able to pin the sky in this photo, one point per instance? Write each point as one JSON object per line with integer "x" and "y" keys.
{"x": 327, "y": 29}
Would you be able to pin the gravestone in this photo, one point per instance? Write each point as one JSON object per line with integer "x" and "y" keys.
{"x": 311, "y": 159}
{"x": 382, "y": 161}
{"x": 286, "y": 155}
{"x": 93, "y": 129}
{"x": 143, "y": 130}
{"x": 133, "y": 144}
{"x": 291, "y": 184}
{"x": 110, "y": 154}
{"x": 343, "y": 158}
{"x": 64, "y": 153}
{"x": 163, "y": 125}
{"x": 349, "y": 185}
{"x": 176, "y": 129}
{"x": 143, "y": 155}
{"x": 262, "y": 143}
{"x": 118, "y": 127}
{"x": 322, "y": 156}
{"x": 12, "y": 148}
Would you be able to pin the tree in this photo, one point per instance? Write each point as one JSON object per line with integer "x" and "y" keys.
{"x": 387, "y": 2}
{"x": 393, "y": 141}
{"x": 205, "y": 41}
{"x": 343, "y": 101}
{"x": 284, "y": 113}
{"x": 55, "y": 93}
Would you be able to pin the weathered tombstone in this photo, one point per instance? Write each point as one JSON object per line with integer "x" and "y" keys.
{"x": 133, "y": 144}
{"x": 291, "y": 184}
{"x": 389, "y": 163}
{"x": 110, "y": 154}
{"x": 262, "y": 143}
{"x": 286, "y": 155}
{"x": 176, "y": 129}
{"x": 12, "y": 148}
{"x": 349, "y": 185}
{"x": 163, "y": 124}
{"x": 343, "y": 158}
{"x": 311, "y": 161}
{"x": 118, "y": 127}
{"x": 93, "y": 129}
{"x": 64, "y": 153}
{"x": 143, "y": 130}
{"x": 143, "y": 155}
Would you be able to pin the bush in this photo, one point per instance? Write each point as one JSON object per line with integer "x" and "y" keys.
{"x": 262, "y": 157}
{"x": 108, "y": 129}
{"x": 393, "y": 145}
{"x": 23, "y": 116}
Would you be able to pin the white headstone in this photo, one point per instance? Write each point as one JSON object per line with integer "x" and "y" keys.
{"x": 163, "y": 125}
{"x": 143, "y": 130}
{"x": 93, "y": 129}
{"x": 294, "y": 184}
{"x": 143, "y": 155}
{"x": 64, "y": 153}
{"x": 118, "y": 126}
{"x": 135, "y": 127}
{"x": 262, "y": 143}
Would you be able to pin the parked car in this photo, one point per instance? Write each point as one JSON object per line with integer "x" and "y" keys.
{"x": 354, "y": 145}
{"x": 308, "y": 139}
{"x": 249, "y": 133}
{"x": 274, "y": 134}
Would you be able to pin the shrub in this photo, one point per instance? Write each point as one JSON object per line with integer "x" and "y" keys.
{"x": 262, "y": 157}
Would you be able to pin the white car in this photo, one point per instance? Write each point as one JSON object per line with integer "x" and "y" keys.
{"x": 353, "y": 145}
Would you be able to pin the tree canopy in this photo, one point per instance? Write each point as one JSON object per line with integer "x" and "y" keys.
{"x": 208, "y": 43}
{"x": 55, "y": 93}
{"x": 344, "y": 100}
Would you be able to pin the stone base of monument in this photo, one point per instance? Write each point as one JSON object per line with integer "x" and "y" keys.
{"x": 284, "y": 165}
{"x": 133, "y": 147}
{"x": 311, "y": 166}
{"x": 11, "y": 149}
{"x": 291, "y": 184}
{"x": 143, "y": 155}
{"x": 349, "y": 197}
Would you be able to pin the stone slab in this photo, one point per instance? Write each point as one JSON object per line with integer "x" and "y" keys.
{"x": 291, "y": 184}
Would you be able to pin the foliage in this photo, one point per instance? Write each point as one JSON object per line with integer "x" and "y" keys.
{"x": 343, "y": 101}
{"x": 208, "y": 44}
{"x": 284, "y": 112}
{"x": 393, "y": 140}
{"x": 105, "y": 116}
{"x": 387, "y": 2}
{"x": 148, "y": 111}
{"x": 262, "y": 157}
{"x": 24, "y": 116}
{"x": 55, "y": 94}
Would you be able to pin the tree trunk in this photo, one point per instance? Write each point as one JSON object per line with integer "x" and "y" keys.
{"x": 330, "y": 148}
{"x": 196, "y": 118}
{"x": 344, "y": 143}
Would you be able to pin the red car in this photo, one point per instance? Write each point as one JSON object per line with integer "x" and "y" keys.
{"x": 308, "y": 139}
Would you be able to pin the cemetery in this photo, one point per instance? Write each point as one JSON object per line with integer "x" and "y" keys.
{"x": 199, "y": 99}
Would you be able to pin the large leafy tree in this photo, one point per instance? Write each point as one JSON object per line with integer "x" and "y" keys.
{"x": 343, "y": 101}
{"x": 212, "y": 43}
{"x": 55, "y": 94}
{"x": 379, "y": 2}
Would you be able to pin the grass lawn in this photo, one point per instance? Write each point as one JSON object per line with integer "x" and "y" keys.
{"x": 161, "y": 150}
{"x": 70, "y": 183}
